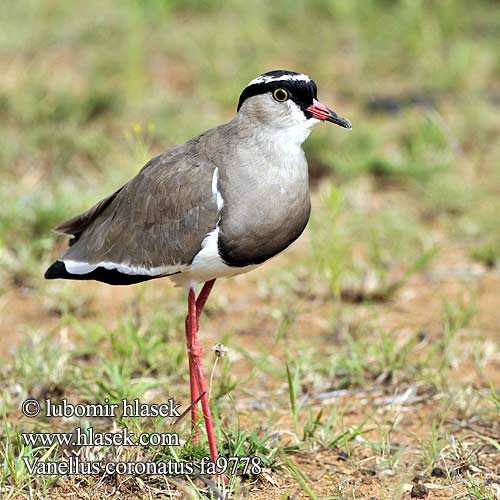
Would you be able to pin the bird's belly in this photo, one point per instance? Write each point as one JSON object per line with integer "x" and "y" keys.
{"x": 208, "y": 264}
{"x": 258, "y": 231}
{"x": 249, "y": 239}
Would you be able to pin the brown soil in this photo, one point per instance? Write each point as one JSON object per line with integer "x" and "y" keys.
{"x": 237, "y": 305}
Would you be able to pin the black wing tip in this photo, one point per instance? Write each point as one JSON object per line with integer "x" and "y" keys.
{"x": 57, "y": 270}
{"x": 110, "y": 276}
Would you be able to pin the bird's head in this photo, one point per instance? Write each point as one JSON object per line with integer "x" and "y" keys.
{"x": 285, "y": 99}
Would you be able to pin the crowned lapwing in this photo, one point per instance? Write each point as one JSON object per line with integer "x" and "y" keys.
{"x": 216, "y": 206}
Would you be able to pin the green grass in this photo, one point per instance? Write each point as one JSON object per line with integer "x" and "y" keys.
{"x": 368, "y": 262}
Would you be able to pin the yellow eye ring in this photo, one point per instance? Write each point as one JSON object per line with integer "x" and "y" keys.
{"x": 280, "y": 95}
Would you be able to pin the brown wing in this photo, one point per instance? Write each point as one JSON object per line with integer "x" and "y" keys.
{"x": 78, "y": 224}
{"x": 158, "y": 219}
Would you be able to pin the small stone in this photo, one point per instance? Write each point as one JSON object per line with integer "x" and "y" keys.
{"x": 386, "y": 472}
{"x": 419, "y": 491}
{"x": 316, "y": 475}
{"x": 437, "y": 472}
{"x": 422, "y": 335}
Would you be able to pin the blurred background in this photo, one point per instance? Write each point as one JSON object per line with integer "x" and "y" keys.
{"x": 91, "y": 90}
{"x": 396, "y": 279}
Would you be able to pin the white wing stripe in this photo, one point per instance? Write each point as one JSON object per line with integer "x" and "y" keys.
{"x": 77, "y": 267}
{"x": 215, "y": 190}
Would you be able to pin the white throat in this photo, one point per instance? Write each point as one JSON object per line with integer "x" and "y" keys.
{"x": 298, "y": 133}
{"x": 285, "y": 122}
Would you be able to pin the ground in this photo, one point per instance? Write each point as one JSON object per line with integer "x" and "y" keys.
{"x": 363, "y": 362}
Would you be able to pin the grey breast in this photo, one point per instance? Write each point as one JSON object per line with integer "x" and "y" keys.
{"x": 159, "y": 218}
{"x": 266, "y": 198}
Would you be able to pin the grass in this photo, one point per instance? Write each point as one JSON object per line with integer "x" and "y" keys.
{"x": 369, "y": 263}
{"x": 368, "y": 353}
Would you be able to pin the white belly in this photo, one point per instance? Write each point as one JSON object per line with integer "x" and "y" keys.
{"x": 207, "y": 264}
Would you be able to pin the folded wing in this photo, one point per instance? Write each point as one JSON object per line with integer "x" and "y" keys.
{"x": 151, "y": 227}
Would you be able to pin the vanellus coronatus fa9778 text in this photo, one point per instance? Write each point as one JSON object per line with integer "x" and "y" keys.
{"x": 215, "y": 206}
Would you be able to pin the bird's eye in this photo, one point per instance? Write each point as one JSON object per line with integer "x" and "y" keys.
{"x": 280, "y": 95}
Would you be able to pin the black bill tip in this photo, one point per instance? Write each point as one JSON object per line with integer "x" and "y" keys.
{"x": 339, "y": 120}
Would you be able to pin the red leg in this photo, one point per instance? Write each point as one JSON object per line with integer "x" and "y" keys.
{"x": 196, "y": 351}
{"x": 200, "y": 304}
{"x": 203, "y": 297}
{"x": 192, "y": 383}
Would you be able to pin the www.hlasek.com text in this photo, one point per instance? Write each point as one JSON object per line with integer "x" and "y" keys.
{"x": 90, "y": 437}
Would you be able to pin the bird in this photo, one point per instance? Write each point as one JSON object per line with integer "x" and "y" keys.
{"x": 218, "y": 205}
